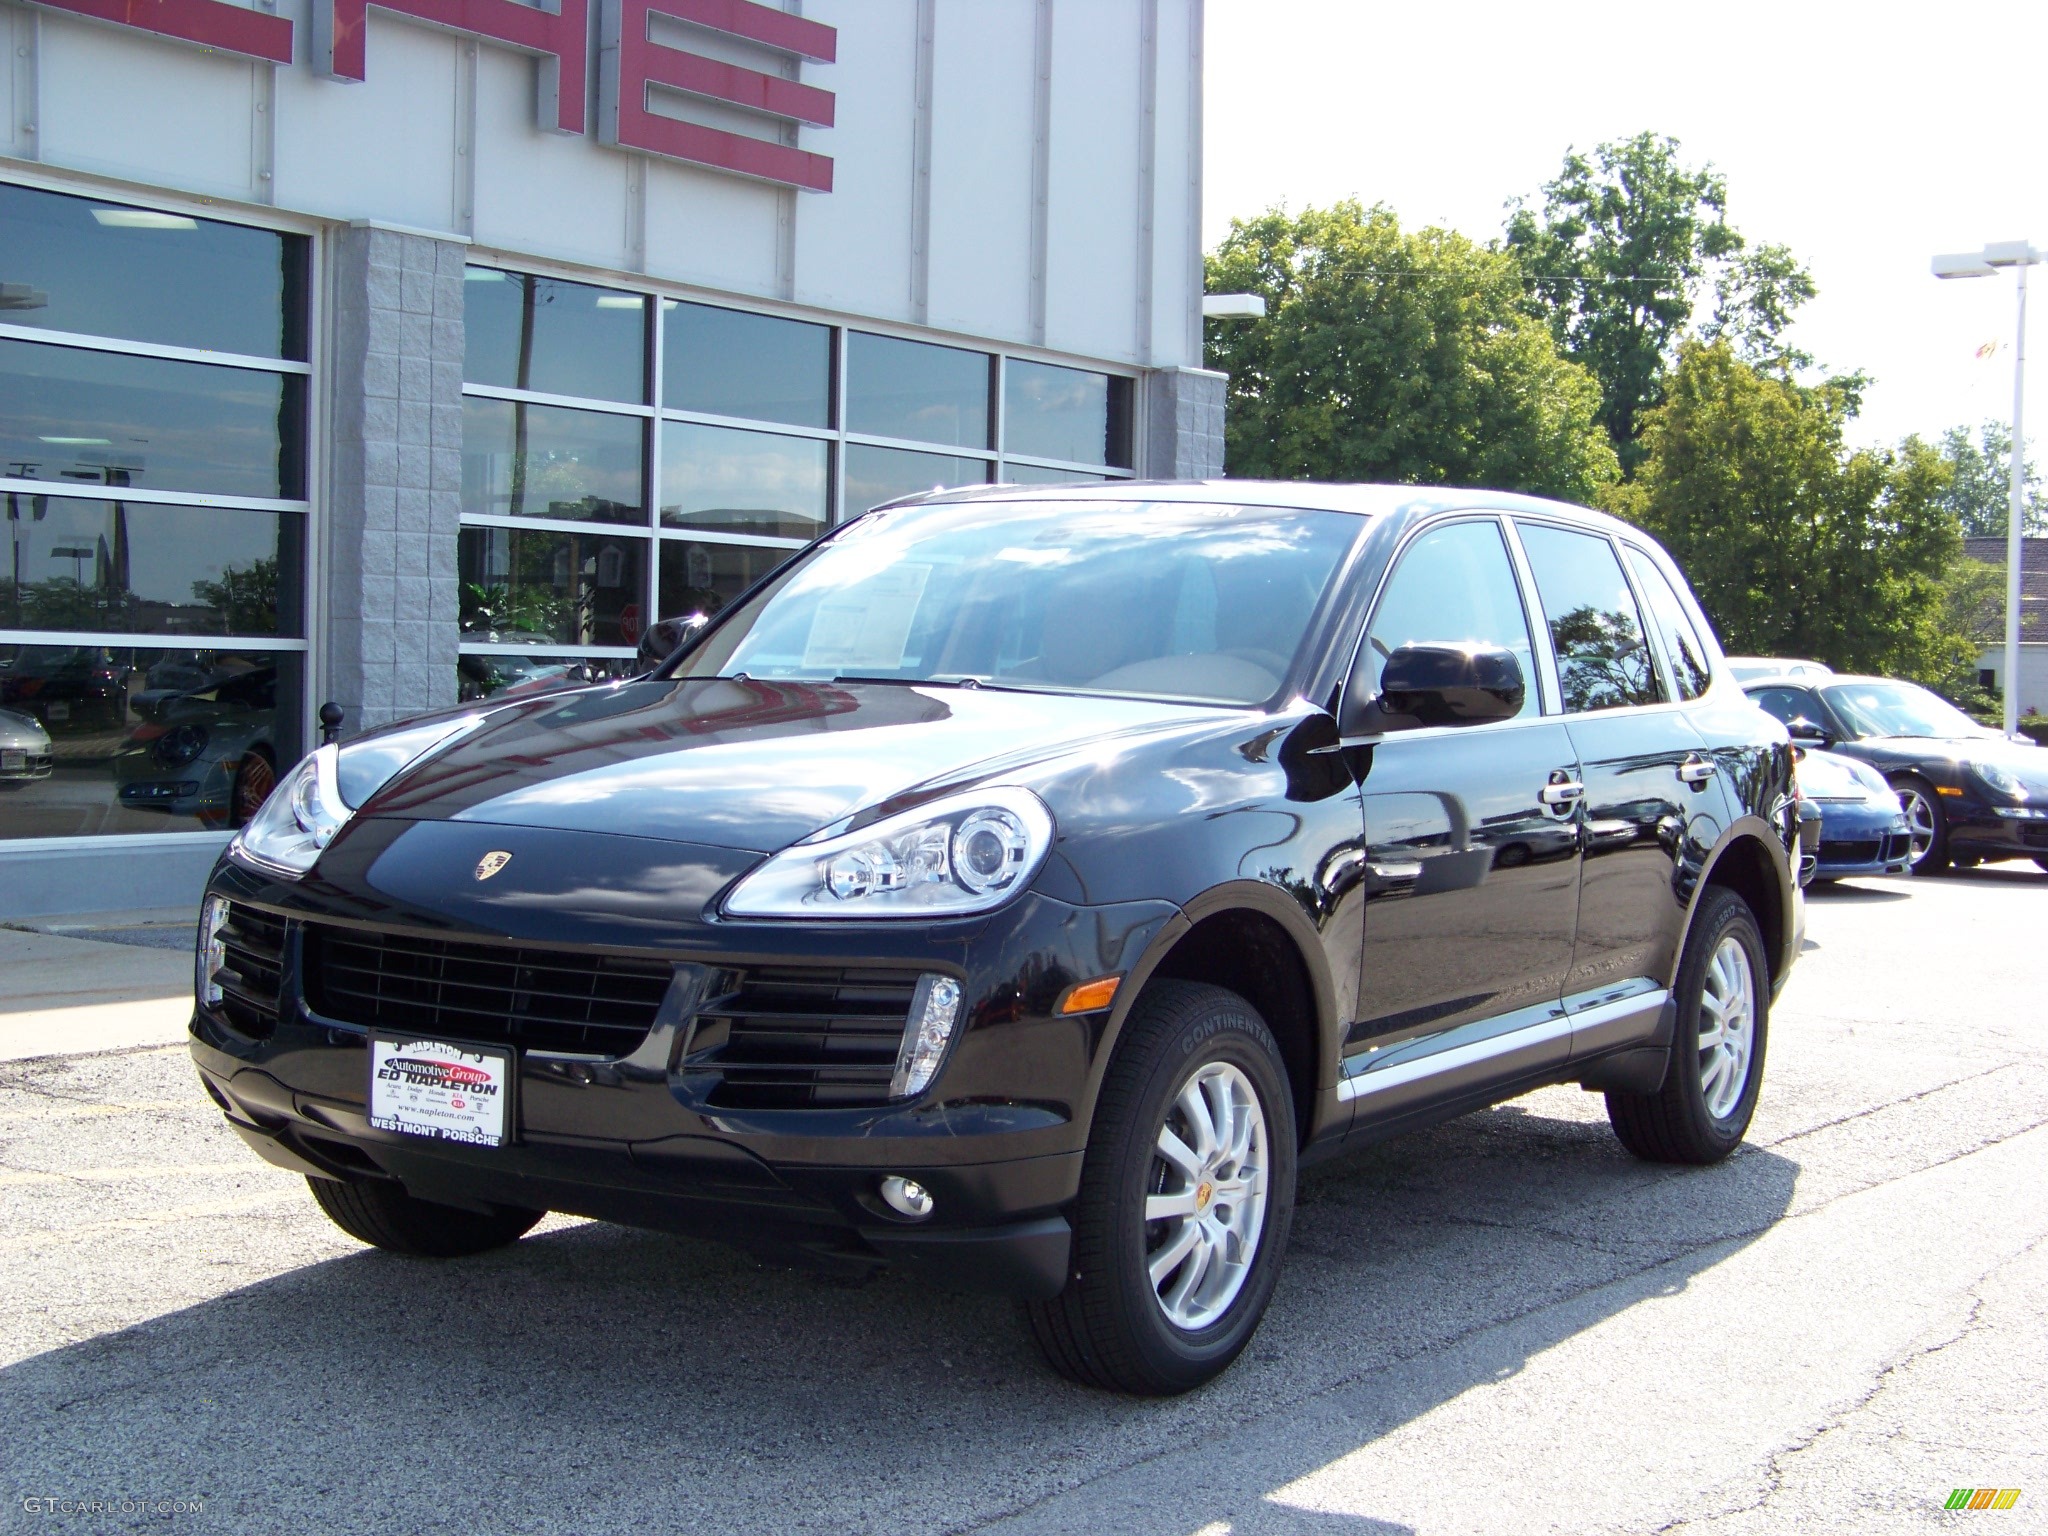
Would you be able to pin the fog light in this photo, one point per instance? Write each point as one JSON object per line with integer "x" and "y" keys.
{"x": 933, "y": 1008}
{"x": 213, "y": 953}
{"x": 907, "y": 1197}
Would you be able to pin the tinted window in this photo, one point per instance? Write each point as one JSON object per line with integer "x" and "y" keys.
{"x": 1039, "y": 474}
{"x": 527, "y": 332}
{"x": 100, "y": 418}
{"x": 914, "y": 390}
{"x": 141, "y": 739}
{"x": 521, "y": 459}
{"x": 1066, "y": 413}
{"x": 1690, "y": 669}
{"x": 82, "y": 264}
{"x": 515, "y": 674}
{"x": 1603, "y": 661}
{"x": 1154, "y": 600}
{"x": 127, "y": 567}
{"x": 1453, "y": 584}
{"x": 875, "y": 475}
{"x": 729, "y": 481}
{"x": 730, "y": 363}
{"x": 703, "y": 578}
{"x": 540, "y": 586}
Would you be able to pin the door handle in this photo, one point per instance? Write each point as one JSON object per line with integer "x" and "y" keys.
{"x": 1695, "y": 770}
{"x": 1569, "y": 792}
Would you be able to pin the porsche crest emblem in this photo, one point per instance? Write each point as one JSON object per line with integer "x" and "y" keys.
{"x": 491, "y": 863}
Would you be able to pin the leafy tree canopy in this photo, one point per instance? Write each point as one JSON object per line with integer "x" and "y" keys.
{"x": 1796, "y": 545}
{"x": 1981, "y": 481}
{"x": 1626, "y": 248}
{"x": 1394, "y": 355}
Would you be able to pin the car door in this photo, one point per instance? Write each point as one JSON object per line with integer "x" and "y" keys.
{"x": 1653, "y": 801}
{"x": 1472, "y": 857}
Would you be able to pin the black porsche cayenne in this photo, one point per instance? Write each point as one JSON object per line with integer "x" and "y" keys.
{"x": 1017, "y": 887}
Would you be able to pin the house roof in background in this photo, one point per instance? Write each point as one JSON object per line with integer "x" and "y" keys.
{"x": 2033, "y": 583}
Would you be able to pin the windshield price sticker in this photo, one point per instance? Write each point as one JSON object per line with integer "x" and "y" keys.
{"x": 865, "y": 627}
{"x": 430, "y": 1088}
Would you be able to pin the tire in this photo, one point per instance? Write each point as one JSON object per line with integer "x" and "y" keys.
{"x": 254, "y": 780}
{"x": 1698, "y": 1116}
{"x": 1928, "y": 820}
{"x": 1111, "y": 1327}
{"x": 386, "y": 1217}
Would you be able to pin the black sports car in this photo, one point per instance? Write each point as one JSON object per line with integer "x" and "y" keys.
{"x": 1969, "y": 793}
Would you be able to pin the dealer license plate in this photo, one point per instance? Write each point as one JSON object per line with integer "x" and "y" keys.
{"x": 434, "y": 1089}
{"x": 13, "y": 759}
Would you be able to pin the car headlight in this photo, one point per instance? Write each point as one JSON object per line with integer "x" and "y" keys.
{"x": 298, "y": 820}
{"x": 180, "y": 744}
{"x": 962, "y": 854}
{"x": 2000, "y": 780}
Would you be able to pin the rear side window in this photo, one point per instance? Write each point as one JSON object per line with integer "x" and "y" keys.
{"x": 1603, "y": 659}
{"x": 1690, "y": 669}
{"x": 1453, "y": 584}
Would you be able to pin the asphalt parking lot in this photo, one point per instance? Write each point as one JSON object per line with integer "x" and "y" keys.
{"x": 1502, "y": 1324}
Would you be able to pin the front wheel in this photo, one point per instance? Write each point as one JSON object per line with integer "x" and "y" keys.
{"x": 1929, "y": 824}
{"x": 1186, "y": 1197}
{"x": 385, "y": 1216}
{"x": 1723, "y": 1002}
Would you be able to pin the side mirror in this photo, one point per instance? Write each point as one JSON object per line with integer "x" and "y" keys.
{"x": 663, "y": 637}
{"x": 1807, "y": 733}
{"x": 1440, "y": 683}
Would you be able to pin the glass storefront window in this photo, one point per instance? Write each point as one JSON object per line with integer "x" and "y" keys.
{"x": 1039, "y": 474}
{"x": 104, "y": 418}
{"x": 875, "y": 475}
{"x": 1066, "y": 413}
{"x": 726, "y": 362}
{"x": 560, "y": 338}
{"x": 536, "y": 586}
{"x": 134, "y": 568}
{"x": 703, "y": 578}
{"x": 97, "y": 739}
{"x": 84, "y": 264}
{"x": 524, "y": 460}
{"x": 915, "y": 390}
{"x": 727, "y": 481}
{"x": 500, "y": 675}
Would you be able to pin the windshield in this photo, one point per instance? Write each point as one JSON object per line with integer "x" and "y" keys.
{"x": 1146, "y": 599}
{"x": 1899, "y": 709}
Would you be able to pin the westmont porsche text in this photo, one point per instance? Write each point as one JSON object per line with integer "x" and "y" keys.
{"x": 630, "y": 61}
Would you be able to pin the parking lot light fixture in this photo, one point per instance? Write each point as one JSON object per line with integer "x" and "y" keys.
{"x": 2019, "y": 255}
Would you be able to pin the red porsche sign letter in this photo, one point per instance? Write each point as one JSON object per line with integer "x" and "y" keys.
{"x": 630, "y": 62}
{"x": 559, "y": 38}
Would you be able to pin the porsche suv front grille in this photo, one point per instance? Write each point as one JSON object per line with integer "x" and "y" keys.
{"x": 252, "y": 969}
{"x": 799, "y": 1037}
{"x": 502, "y": 994}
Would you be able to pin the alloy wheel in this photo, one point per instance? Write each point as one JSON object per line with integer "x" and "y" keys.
{"x": 1920, "y": 818}
{"x": 252, "y": 787}
{"x": 1727, "y": 1027}
{"x": 1205, "y": 1202}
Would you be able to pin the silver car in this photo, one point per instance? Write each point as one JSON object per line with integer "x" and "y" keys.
{"x": 24, "y": 750}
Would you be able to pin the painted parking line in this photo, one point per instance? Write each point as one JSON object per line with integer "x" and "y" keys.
{"x": 14, "y": 1178}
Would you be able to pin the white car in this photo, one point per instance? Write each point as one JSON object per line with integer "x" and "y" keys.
{"x": 24, "y": 750}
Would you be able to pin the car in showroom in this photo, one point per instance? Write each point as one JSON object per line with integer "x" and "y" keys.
{"x": 1018, "y": 886}
{"x": 1863, "y": 826}
{"x": 205, "y": 746}
{"x": 25, "y": 754}
{"x": 1970, "y": 793}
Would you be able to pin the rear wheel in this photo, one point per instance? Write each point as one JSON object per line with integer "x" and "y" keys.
{"x": 1186, "y": 1197}
{"x": 385, "y": 1216}
{"x": 1928, "y": 823}
{"x": 1717, "y": 1049}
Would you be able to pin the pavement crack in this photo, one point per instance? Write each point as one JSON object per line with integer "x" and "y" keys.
{"x": 1890, "y": 1104}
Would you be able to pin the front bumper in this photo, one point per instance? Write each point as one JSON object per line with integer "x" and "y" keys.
{"x": 640, "y": 1139}
{"x": 1861, "y": 839}
{"x": 1997, "y": 832}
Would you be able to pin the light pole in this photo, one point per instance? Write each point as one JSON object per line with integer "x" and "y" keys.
{"x": 2019, "y": 255}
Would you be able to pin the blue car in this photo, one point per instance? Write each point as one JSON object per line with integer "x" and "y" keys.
{"x": 1863, "y": 828}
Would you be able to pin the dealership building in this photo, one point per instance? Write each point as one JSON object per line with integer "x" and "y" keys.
{"x": 409, "y": 352}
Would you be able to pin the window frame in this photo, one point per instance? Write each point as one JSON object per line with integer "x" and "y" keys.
{"x": 1668, "y": 694}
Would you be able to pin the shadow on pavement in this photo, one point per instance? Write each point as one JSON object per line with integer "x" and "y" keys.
{"x": 1852, "y": 891}
{"x": 593, "y": 1378}
{"x": 2012, "y": 872}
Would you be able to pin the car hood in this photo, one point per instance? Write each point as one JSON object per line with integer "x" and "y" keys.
{"x": 746, "y": 764}
{"x": 2027, "y": 763}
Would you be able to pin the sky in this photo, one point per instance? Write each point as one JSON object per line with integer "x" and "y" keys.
{"x": 1867, "y": 137}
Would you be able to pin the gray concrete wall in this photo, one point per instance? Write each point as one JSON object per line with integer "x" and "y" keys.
{"x": 394, "y": 494}
{"x": 1184, "y": 424}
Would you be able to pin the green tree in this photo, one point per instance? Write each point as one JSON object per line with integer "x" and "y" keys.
{"x": 246, "y": 601}
{"x": 1626, "y": 247}
{"x": 1982, "y": 481}
{"x": 1797, "y": 545}
{"x": 1395, "y": 356}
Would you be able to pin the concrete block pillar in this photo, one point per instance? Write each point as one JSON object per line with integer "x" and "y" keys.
{"x": 1184, "y": 424}
{"x": 394, "y": 496}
